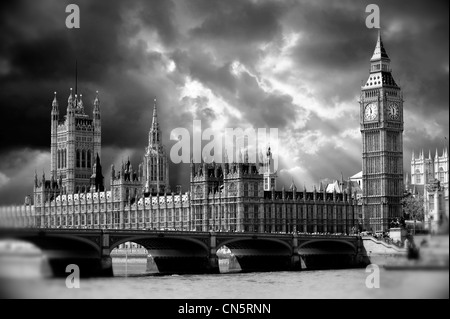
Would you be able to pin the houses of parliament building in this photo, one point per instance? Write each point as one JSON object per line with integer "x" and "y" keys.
{"x": 222, "y": 197}
{"x": 235, "y": 196}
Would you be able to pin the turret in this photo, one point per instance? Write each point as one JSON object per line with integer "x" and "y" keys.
{"x": 97, "y": 126}
{"x": 54, "y": 136}
{"x": 80, "y": 105}
{"x": 97, "y": 176}
{"x": 70, "y": 104}
{"x": 55, "y": 108}
{"x": 349, "y": 188}
{"x": 293, "y": 188}
{"x": 36, "y": 182}
{"x": 154, "y": 137}
{"x": 192, "y": 169}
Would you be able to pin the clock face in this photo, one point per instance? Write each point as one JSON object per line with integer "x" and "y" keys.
{"x": 393, "y": 111}
{"x": 371, "y": 111}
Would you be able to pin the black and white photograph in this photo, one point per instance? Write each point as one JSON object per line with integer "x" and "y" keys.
{"x": 224, "y": 154}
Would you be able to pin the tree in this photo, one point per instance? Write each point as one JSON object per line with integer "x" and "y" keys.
{"x": 413, "y": 206}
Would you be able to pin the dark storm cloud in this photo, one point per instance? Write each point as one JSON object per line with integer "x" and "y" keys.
{"x": 260, "y": 109}
{"x": 158, "y": 14}
{"x": 239, "y": 21}
{"x": 40, "y": 53}
{"x": 201, "y": 66}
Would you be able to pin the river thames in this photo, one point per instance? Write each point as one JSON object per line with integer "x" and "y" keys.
{"x": 23, "y": 280}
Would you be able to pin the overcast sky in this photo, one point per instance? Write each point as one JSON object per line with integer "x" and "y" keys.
{"x": 292, "y": 65}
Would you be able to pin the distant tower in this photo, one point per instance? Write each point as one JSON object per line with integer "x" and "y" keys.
{"x": 156, "y": 165}
{"x": 424, "y": 170}
{"x": 74, "y": 142}
{"x": 54, "y": 137}
{"x": 381, "y": 115}
{"x": 268, "y": 171}
{"x": 97, "y": 127}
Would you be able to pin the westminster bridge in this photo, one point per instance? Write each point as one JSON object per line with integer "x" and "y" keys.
{"x": 181, "y": 252}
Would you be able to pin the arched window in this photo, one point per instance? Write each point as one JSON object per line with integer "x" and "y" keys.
{"x": 83, "y": 158}
{"x": 88, "y": 159}
{"x": 64, "y": 163}
{"x": 417, "y": 176}
{"x": 59, "y": 159}
{"x": 199, "y": 192}
{"x": 78, "y": 158}
{"x": 441, "y": 175}
{"x": 232, "y": 189}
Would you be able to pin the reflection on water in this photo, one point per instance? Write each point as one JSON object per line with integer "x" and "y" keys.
{"x": 21, "y": 279}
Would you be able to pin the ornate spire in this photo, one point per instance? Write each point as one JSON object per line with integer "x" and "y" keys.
{"x": 80, "y": 105}
{"x": 380, "y": 71}
{"x": 36, "y": 183}
{"x": 379, "y": 52}
{"x": 70, "y": 99}
{"x": 96, "y": 100}
{"x": 154, "y": 134}
{"x": 55, "y": 103}
{"x": 155, "y": 114}
{"x": 293, "y": 187}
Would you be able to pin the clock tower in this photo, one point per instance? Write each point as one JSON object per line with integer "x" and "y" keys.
{"x": 381, "y": 117}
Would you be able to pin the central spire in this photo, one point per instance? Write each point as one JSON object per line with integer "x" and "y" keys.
{"x": 155, "y": 115}
{"x": 380, "y": 70}
{"x": 379, "y": 52}
{"x": 154, "y": 134}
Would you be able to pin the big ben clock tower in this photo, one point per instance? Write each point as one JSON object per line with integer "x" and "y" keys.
{"x": 381, "y": 116}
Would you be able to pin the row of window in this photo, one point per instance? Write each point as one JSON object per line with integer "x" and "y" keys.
{"x": 441, "y": 176}
{"x": 84, "y": 220}
{"x": 62, "y": 158}
{"x": 83, "y": 158}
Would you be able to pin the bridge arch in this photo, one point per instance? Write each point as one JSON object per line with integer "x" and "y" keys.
{"x": 64, "y": 242}
{"x": 146, "y": 239}
{"x": 249, "y": 240}
{"x": 61, "y": 249}
{"x": 322, "y": 242}
{"x": 171, "y": 254}
{"x": 327, "y": 254}
{"x": 248, "y": 254}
